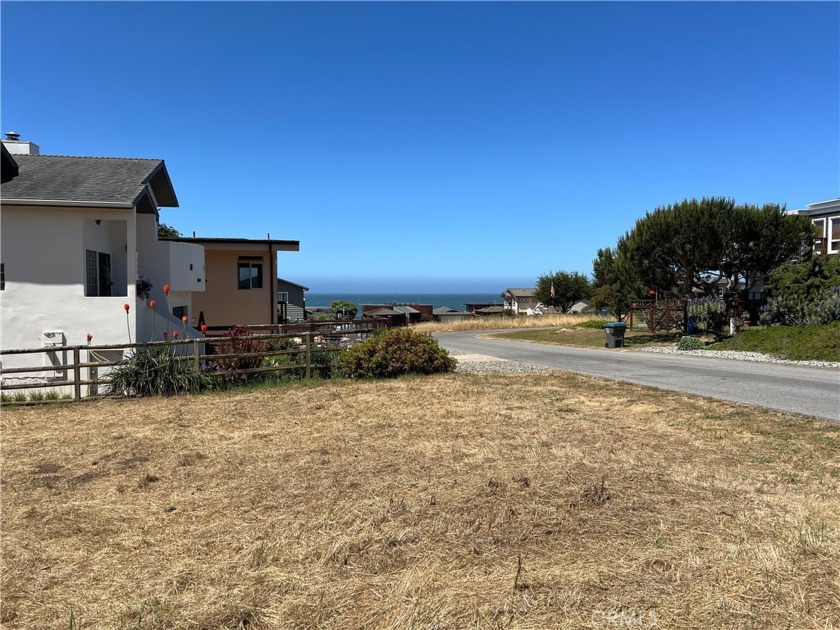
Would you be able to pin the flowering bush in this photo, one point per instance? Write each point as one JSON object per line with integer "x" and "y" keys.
{"x": 393, "y": 353}
{"x": 239, "y": 343}
{"x": 792, "y": 310}
{"x": 708, "y": 314}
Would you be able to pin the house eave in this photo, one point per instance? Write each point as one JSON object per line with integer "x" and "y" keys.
{"x": 67, "y": 204}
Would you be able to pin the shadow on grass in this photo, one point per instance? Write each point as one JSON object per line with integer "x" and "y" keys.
{"x": 641, "y": 339}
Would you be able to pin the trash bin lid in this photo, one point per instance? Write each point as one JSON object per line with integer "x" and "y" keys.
{"x": 615, "y": 325}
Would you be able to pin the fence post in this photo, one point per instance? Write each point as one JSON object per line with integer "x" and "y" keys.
{"x": 77, "y": 374}
{"x": 308, "y": 356}
{"x": 196, "y": 354}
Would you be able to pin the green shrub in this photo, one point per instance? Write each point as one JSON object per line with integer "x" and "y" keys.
{"x": 708, "y": 314}
{"x": 791, "y": 309}
{"x": 155, "y": 372}
{"x": 395, "y": 352}
{"x": 592, "y": 323}
{"x": 690, "y": 343}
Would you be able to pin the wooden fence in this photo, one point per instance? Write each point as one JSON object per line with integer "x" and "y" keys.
{"x": 71, "y": 368}
{"x": 659, "y": 315}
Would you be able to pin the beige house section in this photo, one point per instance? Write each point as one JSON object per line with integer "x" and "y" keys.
{"x": 240, "y": 281}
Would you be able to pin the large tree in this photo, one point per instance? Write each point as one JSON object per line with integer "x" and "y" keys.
{"x": 569, "y": 287}
{"x": 694, "y": 246}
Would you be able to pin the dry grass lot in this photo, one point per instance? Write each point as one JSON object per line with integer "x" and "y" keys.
{"x": 460, "y": 501}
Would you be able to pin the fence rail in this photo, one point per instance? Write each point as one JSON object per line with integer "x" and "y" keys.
{"x": 214, "y": 349}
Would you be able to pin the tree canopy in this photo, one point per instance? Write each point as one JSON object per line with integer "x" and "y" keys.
{"x": 695, "y": 246}
{"x": 569, "y": 288}
{"x": 344, "y": 309}
{"x": 167, "y": 231}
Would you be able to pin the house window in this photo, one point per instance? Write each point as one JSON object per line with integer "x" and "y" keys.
{"x": 819, "y": 241}
{"x": 250, "y": 272}
{"x": 282, "y": 296}
{"x": 97, "y": 273}
{"x": 834, "y": 235}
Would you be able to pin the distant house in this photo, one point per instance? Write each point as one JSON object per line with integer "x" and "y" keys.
{"x": 825, "y": 215}
{"x": 519, "y": 300}
{"x": 448, "y": 314}
{"x": 495, "y": 309}
{"x": 474, "y": 307}
{"x": 241, "y": 283}
{"x": 291, "y": 301}
{"x": 399, "y": 314}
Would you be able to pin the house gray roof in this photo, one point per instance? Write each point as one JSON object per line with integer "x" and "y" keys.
{"x": 290, "y": 283}
{"x": 519, "y": 292}
{"x": 67, "y": 180}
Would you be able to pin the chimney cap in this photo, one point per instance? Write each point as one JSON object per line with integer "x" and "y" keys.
{"x": 12, "y": 135}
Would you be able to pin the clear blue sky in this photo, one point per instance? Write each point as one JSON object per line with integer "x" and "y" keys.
{"x": 436, "y": 146}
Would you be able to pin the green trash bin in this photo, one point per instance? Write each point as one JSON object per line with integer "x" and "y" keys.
{"x": 615, "y": 334}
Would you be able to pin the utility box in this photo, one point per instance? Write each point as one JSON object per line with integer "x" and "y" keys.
{"x": 615, "y": 334}
{"x": 56, "y": 358}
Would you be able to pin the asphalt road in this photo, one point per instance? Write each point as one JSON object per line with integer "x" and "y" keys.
{"x": 807, "y": 390}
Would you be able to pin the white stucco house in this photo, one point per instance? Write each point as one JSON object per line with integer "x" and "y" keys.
{"x": 77, "y": 235}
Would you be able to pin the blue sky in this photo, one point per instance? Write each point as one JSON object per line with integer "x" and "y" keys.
{"x": 435, "y": 146}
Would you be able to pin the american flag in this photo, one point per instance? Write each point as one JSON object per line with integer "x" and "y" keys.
{"x": 551, "y": 292}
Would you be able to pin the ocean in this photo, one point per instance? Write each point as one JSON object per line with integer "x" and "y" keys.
{"x": 452, "y": 300}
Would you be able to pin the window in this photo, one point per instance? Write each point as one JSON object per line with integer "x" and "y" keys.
{"x": 97, "y": 273}
{"x": 819, "y": 241}
{"x": 282, "y": 296}
{"x": 834, "y": 235}
{"x": 250, "y": 272}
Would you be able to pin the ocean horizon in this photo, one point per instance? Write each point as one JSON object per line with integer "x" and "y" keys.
{"x": 452, "y": 300}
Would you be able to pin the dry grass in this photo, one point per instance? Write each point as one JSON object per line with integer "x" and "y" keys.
{"x": 499, "y": 322}
{"x": 556, "y": 501}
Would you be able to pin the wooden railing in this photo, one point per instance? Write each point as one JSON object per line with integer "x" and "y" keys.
{"x": 82, "y": 368}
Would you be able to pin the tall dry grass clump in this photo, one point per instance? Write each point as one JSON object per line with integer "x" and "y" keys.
{"x": 501, "y": 322}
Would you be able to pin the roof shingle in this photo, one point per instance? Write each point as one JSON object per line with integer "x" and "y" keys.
{"x": 59, "y": 178}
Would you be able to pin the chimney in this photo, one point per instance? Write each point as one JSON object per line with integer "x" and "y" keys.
{"x": 16, "y": 146}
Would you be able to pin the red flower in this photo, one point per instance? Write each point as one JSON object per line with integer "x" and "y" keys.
{"x": 166, "y": 289}
{"x": 152, "y": 304}
{"x": 89, "y": 337}
{"x": 175, "y": 334}
{"x": 126, "y": 307}
{"x": 204, "y": 328}
{"x": 184, "y": 319}
{"x": 652, "y": 292}
{"x": 165, "y": 335}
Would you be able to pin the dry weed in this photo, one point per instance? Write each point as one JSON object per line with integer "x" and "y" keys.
{"x": 551, "y": 501}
